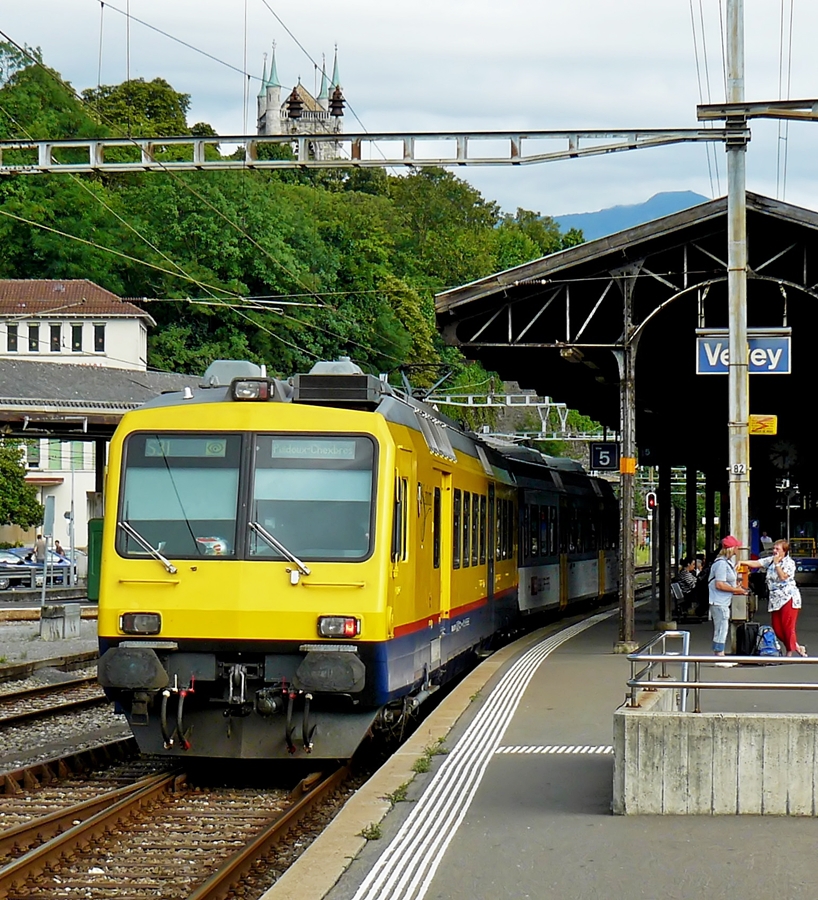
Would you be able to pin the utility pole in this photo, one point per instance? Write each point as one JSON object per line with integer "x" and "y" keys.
{"x": 738, "y": 370}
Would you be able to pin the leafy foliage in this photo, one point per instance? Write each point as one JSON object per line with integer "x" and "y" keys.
{"x": 142, "y": 108}
{"x": 18, "y": 500}
{"x": 219, "y": 256}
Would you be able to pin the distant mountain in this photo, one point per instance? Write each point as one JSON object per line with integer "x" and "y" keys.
{"x": 617, "y": 218}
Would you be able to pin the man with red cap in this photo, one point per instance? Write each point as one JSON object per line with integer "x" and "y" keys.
{"x": 723, "y": 584}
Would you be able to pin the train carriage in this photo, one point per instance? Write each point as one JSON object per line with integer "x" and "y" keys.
{"x": 288, "y": 565}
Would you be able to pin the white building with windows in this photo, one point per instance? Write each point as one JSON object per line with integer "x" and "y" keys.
{"x": 72, "y": 322}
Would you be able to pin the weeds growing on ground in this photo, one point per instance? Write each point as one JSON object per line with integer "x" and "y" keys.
{"x": 399, "y": 794}
{"x": 424, "y": 763}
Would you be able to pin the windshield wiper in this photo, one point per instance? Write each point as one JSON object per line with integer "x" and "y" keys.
{"x": 133, "y": 533}
{"x": 277, "y": 545}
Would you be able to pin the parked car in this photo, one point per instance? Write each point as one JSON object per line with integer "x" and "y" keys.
{"x": 13, "y": 571}
{"x": 58, "y": 566}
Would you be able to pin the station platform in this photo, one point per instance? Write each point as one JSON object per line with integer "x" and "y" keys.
{"x": 519, "y": 806}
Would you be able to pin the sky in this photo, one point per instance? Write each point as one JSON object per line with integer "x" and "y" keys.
{"x": 473, "y": 65}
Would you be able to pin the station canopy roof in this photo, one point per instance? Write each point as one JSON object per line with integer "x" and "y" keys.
{"x": 554, "y": 325}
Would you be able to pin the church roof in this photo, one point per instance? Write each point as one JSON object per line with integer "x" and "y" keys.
{"x": 336, "y": 78}
{"x": 273, "y": 81}
{"x": 310, "y": 103}
{"x": 263, "y": 89}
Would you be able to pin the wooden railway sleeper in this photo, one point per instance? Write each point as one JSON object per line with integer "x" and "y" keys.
{"x": 36, "y": 861}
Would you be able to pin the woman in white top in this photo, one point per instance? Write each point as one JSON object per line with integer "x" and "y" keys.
{"x": 785, "y": 598}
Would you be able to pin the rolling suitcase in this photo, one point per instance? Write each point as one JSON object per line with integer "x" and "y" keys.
{"x": 746, "y": 639}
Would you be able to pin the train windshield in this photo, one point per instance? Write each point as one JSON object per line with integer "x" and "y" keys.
{"x": 180, "y": 494}
{"x": 314, "y": 495}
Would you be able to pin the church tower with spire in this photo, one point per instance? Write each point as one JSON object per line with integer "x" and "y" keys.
{"x": 301, "y": 113}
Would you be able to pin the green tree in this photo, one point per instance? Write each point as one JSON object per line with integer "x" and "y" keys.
{"x": 362, "y": 250}
{"x": 12, "y": 59}
{"x": 18, "y": 500}
{"x": 529, "y": 235}
{"x": 141, "y": 108}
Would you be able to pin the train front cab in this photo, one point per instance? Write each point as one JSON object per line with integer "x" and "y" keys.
{"x": 214, "y": 643}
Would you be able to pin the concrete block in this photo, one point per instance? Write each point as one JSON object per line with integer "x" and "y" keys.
{"x": 774, "y": 764}
{"x": 801, "y": 741}
{"x": 675, "y": 769}
{"x": 715, "y": 764}
{"x": 58, "y": 621}
{"x": 72, "y": 620}
{"x": 699, "y": 764}
{"x": 725, "y": 764}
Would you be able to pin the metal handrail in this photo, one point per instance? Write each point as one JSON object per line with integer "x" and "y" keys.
{"x": 643, "y": 678}
{"x": 645, "y": 654}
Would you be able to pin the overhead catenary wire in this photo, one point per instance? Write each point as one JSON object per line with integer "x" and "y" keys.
{"x": 704, "y": 89}
{"x": 195, "y": 193}
{"x": 159, "y": 268}
{"x": 784, "y": 88}
{"x": 177, "y": 40}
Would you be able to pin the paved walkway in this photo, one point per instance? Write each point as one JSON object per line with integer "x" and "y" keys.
{"x": 520, "y": 806}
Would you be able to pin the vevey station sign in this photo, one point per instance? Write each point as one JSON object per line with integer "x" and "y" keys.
{"x": 769, "y": 351}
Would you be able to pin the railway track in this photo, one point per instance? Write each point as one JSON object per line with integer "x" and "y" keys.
{"x": 156, "y": 835}
{"x": 40, "y": 702}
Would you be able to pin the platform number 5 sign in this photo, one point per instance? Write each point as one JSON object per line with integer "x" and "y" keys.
{"x": 605, "y": 456}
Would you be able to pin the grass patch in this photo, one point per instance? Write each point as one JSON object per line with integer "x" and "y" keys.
{"x": 399, "y": 794}
{"x": 372, "y": 832}
{"x": 424, "y": 763}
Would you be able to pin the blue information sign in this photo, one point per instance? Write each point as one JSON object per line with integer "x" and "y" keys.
{"x": 769, "y": 354}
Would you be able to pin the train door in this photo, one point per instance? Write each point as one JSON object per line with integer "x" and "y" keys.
{"x": 564, "y": 544}
{"x": 442, "y": 558}
{"x": 490, "y": 545}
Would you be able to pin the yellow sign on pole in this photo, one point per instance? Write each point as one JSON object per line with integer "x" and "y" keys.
{"x": 763, "y": 424}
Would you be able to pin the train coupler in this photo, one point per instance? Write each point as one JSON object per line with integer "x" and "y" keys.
{"x": 139, "y": 709}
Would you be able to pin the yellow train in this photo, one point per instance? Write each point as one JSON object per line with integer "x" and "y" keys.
{"x": 289, "y": 565}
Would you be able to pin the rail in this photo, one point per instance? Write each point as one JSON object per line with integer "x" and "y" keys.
{"x": 645, "y": 679}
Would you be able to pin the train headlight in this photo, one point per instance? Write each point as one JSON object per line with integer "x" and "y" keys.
{"x": 339, "y": 626}
{"x": 250, "y": 389}
{"x": 140, "y": 623}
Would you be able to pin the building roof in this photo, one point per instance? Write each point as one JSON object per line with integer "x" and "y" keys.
{"x": 310, "y": 103}
{"x": 47, "y": 395}
{"x": 71, "y": 298}
{"x": 555, "y": 325}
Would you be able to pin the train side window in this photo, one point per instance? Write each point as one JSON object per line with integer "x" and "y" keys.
{"x": 532, "y": 522}
{"x": 436, "y": 529}
{"x": 456, "y": 535}
{"x": 552, "y": 530}
{"x": 562, "y": 529}
{"x": 475, "y": 528}
{"x": 502, "y": 521}
{"x": 466, "y": 528}
{"x": 498, "y": 531}
{"x": 482, "y": 530}
{"x": 397, "y": 516}
{"x": 400, "y": 521}
{"x": 405, "y": 520}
